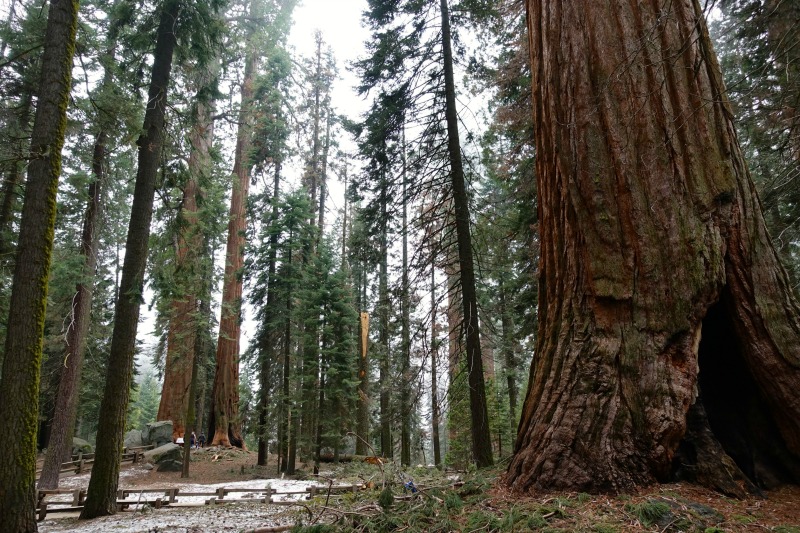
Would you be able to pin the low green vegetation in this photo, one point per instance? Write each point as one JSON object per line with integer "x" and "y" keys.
{"x": 474, "y": 501}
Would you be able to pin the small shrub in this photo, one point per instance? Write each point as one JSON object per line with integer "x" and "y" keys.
{"x": 453, "y": 501}
{"x": 563, "y": 502}
{"x": 483, "y": 521}
{"x": 649, "y": 512}
{"x": 512, "y": 517}
{"x": 386, "y": 499}
{"x": 536, "y": 521}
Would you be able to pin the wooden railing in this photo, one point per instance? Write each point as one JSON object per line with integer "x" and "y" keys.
{"x": 83, "y": 462}
{"x": 172, "y": 495}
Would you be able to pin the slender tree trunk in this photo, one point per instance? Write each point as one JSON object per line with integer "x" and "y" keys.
{"x": 227, "y": 429}
{"x": 362, "y": 405}
{"x": 190, "y": 408}
{"x": 19, "y": 388}
{"x": 323, "y": 183}
{"x": 405, "y": 393}
{"x": 435, "y": 411}
{"x": 308, "y": 371}
{"x": 320, "y": 411}
{"x": 344, "y": 217}
{"x": 455, "y": 339}
{"x": 287, "y": 464}
{"x": 507, "y": 325}
{"x": 294, "y": 422}
{"x": 383, "y": 333}
{"x": 101, "y": 498}
{"x": 481, "y": 443}
{"x": 204, "y": 349}
{"x": 11, "y": 190}
{"x": 270, "y": 335}
{"x": 60, "y": 442}
{"x": 313, "y": 181}
{"x": 655, "y": 265}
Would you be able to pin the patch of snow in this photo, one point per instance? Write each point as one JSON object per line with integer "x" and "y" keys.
{"x": 188, "y": 513}
{"x": 207, "y": 518}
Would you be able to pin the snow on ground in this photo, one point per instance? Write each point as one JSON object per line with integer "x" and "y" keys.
{"x": 208, "y": 518}
{"x": 188, "y": 514}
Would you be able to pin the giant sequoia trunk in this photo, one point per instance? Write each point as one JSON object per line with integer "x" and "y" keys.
{"x": 227, "y": 427}
{"x": 185, "y": 316}
{"x": 101, "y": 496}
{"x": 19, "y": 388}
{"x": 661, "y": 298}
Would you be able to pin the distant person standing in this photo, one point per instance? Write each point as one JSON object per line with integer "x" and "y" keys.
{"x": 194, "y": 440}
{"x": 202, "y": 441}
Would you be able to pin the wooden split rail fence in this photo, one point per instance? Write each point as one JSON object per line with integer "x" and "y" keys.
{"x": 84, "y": 462}
{"x": 171, "y": 496}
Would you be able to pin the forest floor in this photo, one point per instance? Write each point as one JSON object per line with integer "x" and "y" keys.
{"x": 448, "y": 501}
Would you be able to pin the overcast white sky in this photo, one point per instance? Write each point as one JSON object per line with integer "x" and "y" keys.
{"x": 340, "y": 24}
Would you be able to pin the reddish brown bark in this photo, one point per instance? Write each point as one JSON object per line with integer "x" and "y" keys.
{"x": 227, "y": 427}
{"x": 651, "y": 240}
{"x": 183, "y": 323}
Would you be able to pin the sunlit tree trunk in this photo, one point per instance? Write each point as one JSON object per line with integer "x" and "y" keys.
{"x": 658, "y": 279}
{"x": 19, "y": 388}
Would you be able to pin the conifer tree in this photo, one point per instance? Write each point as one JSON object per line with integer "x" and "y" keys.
{"x": 194, "y": 23}
{"x": 270, "y": 148}
{"x": 59, "y": 443}
{"x": 23, "y": 347}
{"x": 759, "y": 48}
{"x": 187, "y": 273}
{"x": 412, "y": 63}
{"x": 227, "y": 426}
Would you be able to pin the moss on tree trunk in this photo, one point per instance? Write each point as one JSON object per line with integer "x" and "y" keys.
{"x": 19, "y": 389}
